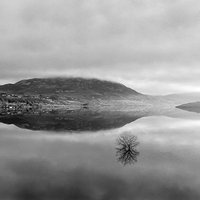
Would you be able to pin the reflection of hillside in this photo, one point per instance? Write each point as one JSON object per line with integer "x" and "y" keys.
{"x": 79, "y": 120}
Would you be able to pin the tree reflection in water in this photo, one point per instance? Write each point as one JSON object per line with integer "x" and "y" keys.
{"x": 126, "y": 150}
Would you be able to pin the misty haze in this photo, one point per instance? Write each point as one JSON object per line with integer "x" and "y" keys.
{"x": 99, "y": 100}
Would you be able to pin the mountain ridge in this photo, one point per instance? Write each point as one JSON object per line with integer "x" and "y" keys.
{"x": 81, "y": 86}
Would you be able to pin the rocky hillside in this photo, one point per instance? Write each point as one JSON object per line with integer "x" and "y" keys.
{"x": 75, "y": 87}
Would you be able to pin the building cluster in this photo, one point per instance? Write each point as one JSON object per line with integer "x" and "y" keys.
{"x": 18, "y": 96}
{"x": 17, "y": 102}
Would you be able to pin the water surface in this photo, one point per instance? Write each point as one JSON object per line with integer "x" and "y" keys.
{"x": 87, "y": 164}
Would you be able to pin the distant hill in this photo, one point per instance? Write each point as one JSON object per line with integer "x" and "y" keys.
{"x": 192, "y": 107}
{"x": 85, "y": 88}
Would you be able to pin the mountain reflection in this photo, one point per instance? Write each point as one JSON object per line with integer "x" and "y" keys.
{"x": 71, "y": 120}
{"x": 126, "y": 150}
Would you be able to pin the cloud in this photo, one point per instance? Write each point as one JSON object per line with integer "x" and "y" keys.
{"x": 39, "y": 179}
{"x": 123, "y": 37}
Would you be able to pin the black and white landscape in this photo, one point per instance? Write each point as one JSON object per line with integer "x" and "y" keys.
{"x": 99, "y": 100}
{"x": 81, "y": 104}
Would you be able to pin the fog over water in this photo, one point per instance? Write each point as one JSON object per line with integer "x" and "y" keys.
{"x": 43, "y": 165}
{"x": 151, "y": 46}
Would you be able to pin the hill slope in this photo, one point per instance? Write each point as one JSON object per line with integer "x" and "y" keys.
{"x": 78, "y": 87}
{"x": 192, "y": 107}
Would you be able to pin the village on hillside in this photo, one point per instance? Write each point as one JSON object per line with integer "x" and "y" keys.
{"x": 19, "y": 103}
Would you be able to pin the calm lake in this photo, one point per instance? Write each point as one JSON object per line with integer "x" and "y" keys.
{"x": 152, "y": 158}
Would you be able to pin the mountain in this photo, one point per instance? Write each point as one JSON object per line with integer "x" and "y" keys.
{"x": 76, "y": 87}
{"x": 78, "y": 93}
{"x": 192, "y": 107}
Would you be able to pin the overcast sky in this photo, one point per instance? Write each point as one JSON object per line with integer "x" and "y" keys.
{"x": 152, "y": 46}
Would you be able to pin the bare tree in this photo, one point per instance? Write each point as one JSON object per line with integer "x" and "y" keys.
{"x": 126, "y": 151}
